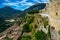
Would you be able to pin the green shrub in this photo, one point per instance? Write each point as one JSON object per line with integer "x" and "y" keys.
{"x": 30, "y": 19}
{"x": 45, "y": 21}
{"x": 26, "y": 37}
{"x": 40, "y": 35}
{"x": 49, "y": 33}
{"x": 8, "y": 38}
{"x": 26, "y": 28}
{"x": 59, "y": 32}
{"x": 18, "y": 22}
{"x": 33, "y": 11}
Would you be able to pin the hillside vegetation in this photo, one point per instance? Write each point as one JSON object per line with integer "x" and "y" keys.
{"x": 32, "y": 29}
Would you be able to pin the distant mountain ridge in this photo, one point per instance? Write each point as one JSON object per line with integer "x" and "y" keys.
{"x": 37, "y": 6}
{"x": 9, "y": 12}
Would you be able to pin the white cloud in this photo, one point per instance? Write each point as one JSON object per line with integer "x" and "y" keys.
{"x": 27, "y": 3}
{"x": 7, "y": 0}
{"x": 36, "y": 1}
{"x": 10, "y": 3}
{"x": 41, "y": 1}
{"x": 23, "y": 1}
{"x": 19, "y": 4}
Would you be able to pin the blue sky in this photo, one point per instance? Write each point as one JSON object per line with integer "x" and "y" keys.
{"x": 20, "y": 4}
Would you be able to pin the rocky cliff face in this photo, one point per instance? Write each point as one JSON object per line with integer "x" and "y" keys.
{"x": 53, "y": 10}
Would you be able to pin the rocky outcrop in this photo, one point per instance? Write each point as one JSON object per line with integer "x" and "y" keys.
{"x": 13, "y": 32}
{"x": 53, "y": 10}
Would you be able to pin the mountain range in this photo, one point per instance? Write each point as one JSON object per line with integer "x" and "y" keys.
{"x": 37, "y": 6}
{"x": 11, "y": 13}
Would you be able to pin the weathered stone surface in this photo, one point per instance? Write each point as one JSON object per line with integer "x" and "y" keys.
{"x": 12, "y": 32}
{"x": 54, "y": 16}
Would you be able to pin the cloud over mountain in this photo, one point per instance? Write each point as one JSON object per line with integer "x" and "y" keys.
{"x": 20, "y": 4}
